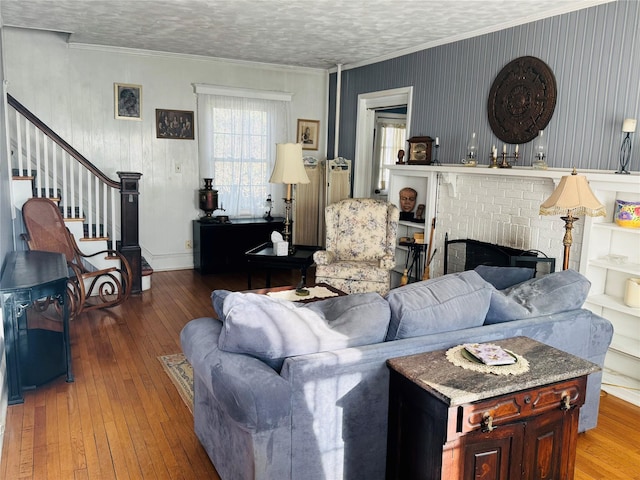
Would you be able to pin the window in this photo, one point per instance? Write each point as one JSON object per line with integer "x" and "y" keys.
{"x": 390, "y": 137}
{"x": 237, "y": 141}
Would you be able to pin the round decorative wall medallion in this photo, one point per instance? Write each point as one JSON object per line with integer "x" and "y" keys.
{"x": 521, "y": 100}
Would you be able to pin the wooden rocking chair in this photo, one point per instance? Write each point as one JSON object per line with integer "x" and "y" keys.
{"x": 89, "y": 288}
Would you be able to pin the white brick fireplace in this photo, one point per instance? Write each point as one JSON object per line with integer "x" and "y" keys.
{"x": 502, "y": 210}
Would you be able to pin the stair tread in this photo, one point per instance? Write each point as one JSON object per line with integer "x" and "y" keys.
{"x": 146, "y": 268}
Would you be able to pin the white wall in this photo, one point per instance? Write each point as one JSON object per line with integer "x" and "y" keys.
{"x": 70, "y": 88}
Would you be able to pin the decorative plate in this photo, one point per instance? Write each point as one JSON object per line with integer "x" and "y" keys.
{"x": 522, "y": 100}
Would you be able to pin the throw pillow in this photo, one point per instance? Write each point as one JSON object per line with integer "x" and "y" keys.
{"x": 451, "y": 302}
{"x": 273, "y": 330}
{"x": 217, "y": 300}
{"x": 554, "y": 293}
{"x": 504, "y": 277}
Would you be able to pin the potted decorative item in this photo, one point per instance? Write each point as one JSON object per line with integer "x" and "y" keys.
{"x": 627, "y": 214}
{"x": 208, "y": 200}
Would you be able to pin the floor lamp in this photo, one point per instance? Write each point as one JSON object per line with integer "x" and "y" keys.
{"x": 288, "y": 169}
{"x": 573, "y": 196}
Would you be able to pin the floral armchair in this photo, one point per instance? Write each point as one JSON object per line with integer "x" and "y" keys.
{"x": 360, "y": 245}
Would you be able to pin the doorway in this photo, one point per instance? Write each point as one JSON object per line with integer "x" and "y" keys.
{"x": 369, "y": 104}
{"x": 390, "y": 136}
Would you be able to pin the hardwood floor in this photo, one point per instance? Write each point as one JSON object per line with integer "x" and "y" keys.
{"x": 123, "y": 418}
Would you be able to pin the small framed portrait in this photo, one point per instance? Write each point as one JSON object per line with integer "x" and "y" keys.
{"x": 308, "y": 131}
{"x": 176, "y": 124}
{"x": 128, "y": 101}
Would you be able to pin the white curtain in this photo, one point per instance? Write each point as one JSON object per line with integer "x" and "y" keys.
{"x": 238, "y": 137}
{"x": 392, "y": 139}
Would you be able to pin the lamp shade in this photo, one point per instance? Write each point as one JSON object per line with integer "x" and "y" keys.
{"x": 289, "y": 167}
{"x": 573, "y": 196}
{"x": 629, "y": 125}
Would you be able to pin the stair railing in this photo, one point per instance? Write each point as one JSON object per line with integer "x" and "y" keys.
{"x": 60, "y": 172}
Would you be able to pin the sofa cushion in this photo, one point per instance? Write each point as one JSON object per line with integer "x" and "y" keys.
{"x": 272, "y": 330}
{"x": 553, "y": 293}
{"x": 451, "y": 302}
{"x": 504, "y": 277}
{"x": 217, "y": 300}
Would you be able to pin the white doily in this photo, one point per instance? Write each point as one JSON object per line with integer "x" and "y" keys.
{"x": 455, "y": 356}
{"x": 314, "y": 292}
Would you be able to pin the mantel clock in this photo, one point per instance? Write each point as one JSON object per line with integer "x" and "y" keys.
{"x": 419, "y": 150}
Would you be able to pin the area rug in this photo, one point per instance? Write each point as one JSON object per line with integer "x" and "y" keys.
{"x": 181, "y": 374}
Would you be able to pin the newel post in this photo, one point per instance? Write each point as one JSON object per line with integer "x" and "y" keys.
{"x": 129, "y": 225}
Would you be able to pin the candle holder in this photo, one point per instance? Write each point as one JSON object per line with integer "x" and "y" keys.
{"x": 628, "y": 127}
{"x": 493, "y": 159}
{"x": 505, "y": 160}
{"x": 625, "y": 154}
{"x": 435, "y": 160}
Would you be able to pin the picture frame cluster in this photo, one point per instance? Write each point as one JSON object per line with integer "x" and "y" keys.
{"x": 180, "y": 124}
{"x": 170, "y": 124}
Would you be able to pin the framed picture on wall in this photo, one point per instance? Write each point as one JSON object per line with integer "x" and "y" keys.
{"x": 308, "y": 131}
{"x": 177, "y": 124}
{"x": 128, "y": 101}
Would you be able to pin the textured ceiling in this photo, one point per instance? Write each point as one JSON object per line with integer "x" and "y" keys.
{"x": 309, "y": 33}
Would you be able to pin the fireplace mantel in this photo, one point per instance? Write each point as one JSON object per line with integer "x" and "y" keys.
{"x": 449, "y": 173}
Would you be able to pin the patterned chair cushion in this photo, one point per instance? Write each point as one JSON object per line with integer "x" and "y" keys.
{"x": 360, "y": 245}
{"x": 360, "y": 229}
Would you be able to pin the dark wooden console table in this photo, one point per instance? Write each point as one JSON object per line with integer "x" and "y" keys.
{"x": 34, "y": 356}
{"x": 264, "y": 256}
{"x": 446, "y": 422}
{"x": 220, "y": 247}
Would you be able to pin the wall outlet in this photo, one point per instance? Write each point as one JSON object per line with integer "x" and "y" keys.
{"x": 188, "y": 244}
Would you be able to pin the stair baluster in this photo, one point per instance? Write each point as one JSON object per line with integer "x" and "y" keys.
{"x": 62, "y": 172}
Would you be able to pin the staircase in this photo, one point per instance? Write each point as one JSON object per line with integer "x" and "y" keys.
{"x": 100, "y": 212}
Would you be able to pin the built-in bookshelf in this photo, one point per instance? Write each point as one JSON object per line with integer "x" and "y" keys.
{"x": 424, "y": 181}
{"x": 610, "y": 255}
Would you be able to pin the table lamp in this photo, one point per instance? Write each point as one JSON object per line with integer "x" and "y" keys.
{"x": 573, "y": 196}
{"x": 288, "y": 169}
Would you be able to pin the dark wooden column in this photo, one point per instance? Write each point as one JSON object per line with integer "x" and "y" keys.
{"x": 129, "y": 225}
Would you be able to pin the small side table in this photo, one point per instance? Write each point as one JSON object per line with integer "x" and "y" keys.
{"x": 446, "y": 422}
{"x": 264, "y": 256}
{"x": 413, "y": 264}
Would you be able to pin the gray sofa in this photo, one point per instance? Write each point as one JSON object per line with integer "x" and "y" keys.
{"x": 284, "y": 391}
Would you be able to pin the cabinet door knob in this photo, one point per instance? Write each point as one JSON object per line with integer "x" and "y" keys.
{"x": 566, "y": 402}
{"x": 487, "y": 423}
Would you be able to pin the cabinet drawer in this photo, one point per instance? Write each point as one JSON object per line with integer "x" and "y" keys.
{"x": 521, "y": 405}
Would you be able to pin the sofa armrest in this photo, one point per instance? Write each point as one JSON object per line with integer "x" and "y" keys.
{"x": 253, "y": 394}
{"x": 324, "y": 257}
